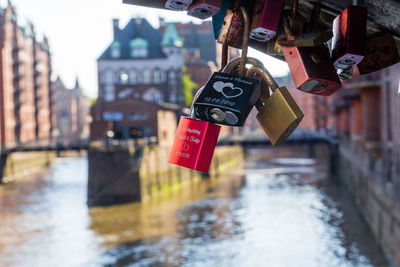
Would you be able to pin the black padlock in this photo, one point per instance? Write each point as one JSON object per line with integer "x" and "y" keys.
{"x": 227, "y": 99}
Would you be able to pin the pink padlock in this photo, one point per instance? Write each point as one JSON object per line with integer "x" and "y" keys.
{"x": 194, "y": 144}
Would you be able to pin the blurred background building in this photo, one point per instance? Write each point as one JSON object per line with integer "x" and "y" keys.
{"x": 26, "y": 98}
{"x": 72, "y": 114}
{"x": 140, "y": 77}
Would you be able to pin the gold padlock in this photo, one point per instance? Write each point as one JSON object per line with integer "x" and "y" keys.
{"x": 279, "y": 115}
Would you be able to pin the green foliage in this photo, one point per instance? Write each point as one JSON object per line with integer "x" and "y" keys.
{"x": 188, "y": 87}
{"x": 93, "y": 102}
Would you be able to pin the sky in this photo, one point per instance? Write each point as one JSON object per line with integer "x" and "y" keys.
{"x": 80, "y": 30}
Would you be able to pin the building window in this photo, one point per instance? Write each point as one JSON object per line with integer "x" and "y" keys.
{"x": 172, "y": 98}
{"x": 138, "y": 116}
{"x": 139, "y": 52}
{"x": 172, "y": 75}
{"x": 123, "y": 77}
{"x": 107, "y": 77}
{"x": 109, "y": 93}
{"x": 125, "y": 93}
{"x": 146, "y": 76}
{"x": 115, "y": 49}
{"x": 139, "y": 48}
{"x": 133, "y": 77}
{"x": 153, "y": 95}
{"x": 157, "y": 76}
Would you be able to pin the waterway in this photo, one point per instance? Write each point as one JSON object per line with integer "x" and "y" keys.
{"x": 280, "y": 208}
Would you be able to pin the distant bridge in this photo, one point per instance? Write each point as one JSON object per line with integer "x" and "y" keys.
{"x": 258, "y": 137}
{"x": 46, "y": 147}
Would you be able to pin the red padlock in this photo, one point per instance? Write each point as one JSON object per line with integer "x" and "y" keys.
{"x": 266, "y": 16}
{"x": 194, "y": 144}
{"x": 312, "y": 69}
{"x": 349, "y": 32}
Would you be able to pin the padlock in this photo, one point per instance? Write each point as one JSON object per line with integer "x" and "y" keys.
{"x": 311, "y": 36}
{"x": 218, "y": 18}
{"x": 178, "y": 5}
{"x": 231, "y": 32}
{"x": 279, "y": 115}
{"x": 227, "y": 99}
{"x": 235, "y": 27}
{"x": 194, "y": 144}
{"x": 203, "y": 9}
{"x": 244, "y": 41}
{"x": 380, "y": 52}
{"x": 348, "y": 43}
{"x": 271, "y": 47}
{"x": 312, "y": 69}
{"x": 266, "y": 16}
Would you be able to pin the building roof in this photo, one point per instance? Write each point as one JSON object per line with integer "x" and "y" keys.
{"x": 198, "y": 36}
{"x": 171, "y": 37}
{"x": 135, "y": 28}
{"x": 77, "y": 86}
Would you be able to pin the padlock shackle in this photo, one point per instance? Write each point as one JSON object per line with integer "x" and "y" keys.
{"x": 245, "y": 45}
{"x": 233, "y": 65}
{"x": 191, "y": 111}
{"x": 224, "y": 56}
{"x": 259, "y": 105}
{"x": 237, "y": 5}
{"x": 314, "y": 16}
{"x": 286, "y": 30}
{"x": 295, "y": 4}
{"x": 256, "y": 70}
{"x": 264, "y": 73}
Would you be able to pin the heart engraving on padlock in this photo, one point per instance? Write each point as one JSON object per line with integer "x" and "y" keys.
{"x": 227, "y": 89}
{"x": 185, "y": 147}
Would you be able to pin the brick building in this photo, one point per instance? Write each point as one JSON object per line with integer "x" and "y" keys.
{"x": 140, "y": 76}
{"x": 367, "y": 108}
{"x": 26, "y": 98}
{"x": 71, "y": 113}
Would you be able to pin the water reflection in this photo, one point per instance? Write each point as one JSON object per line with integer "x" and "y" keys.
{"x": 280, "y": 209}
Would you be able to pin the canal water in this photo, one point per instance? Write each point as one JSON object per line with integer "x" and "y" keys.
{"x": 280, "y": 208}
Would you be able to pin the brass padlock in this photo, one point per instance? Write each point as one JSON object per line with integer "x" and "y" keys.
{"x": 279, "y": 115}
{"x": 311, "y": 37}
{"x": 235, "y": 27}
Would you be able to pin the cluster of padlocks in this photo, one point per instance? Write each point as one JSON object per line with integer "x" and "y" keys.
{"x": 316, "y": 67}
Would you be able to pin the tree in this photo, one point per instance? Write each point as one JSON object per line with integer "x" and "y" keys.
{"x": 188, "y": 86}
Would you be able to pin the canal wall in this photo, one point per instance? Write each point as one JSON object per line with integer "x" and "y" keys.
{"x": 372, "y": 176}
{"x": 15, "y": 165}
{"x": 121, "y": 175}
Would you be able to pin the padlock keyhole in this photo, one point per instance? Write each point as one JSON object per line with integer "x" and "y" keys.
{"x": 316, "y": 58}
